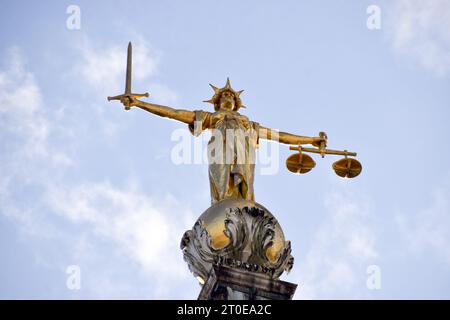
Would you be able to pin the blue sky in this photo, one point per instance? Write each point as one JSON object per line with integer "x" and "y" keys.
{"x": 82, "y": 182}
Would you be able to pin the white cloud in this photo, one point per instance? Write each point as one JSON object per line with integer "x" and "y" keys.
{"x": 108, "y": 231}
{"x": 103, "y": 69}
{"x": 343, "y": 247}
{"x": 162, "y": 95}
{"x": 22, "y": 112}
{"x": 133, "y": 220}
{"x": 428, "y": 230}
{"x": 101, "y": 73}
{"x": 420, "y": 30}
{"x": 145, "y": 231}
{"x": 27, "y": 155}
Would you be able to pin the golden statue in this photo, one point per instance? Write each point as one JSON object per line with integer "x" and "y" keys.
{"x": 233, "y": 175}
{"x": 236, "y": 231}
{"x": 228, "y": 179}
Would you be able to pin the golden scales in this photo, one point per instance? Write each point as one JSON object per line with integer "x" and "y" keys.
{"x": 301, "y": 163}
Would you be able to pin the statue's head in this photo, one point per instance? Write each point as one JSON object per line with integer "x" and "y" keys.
{"x": 226, "y": 98}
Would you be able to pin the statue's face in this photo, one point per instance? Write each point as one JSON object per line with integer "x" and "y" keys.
{"x": 227, "y": 101}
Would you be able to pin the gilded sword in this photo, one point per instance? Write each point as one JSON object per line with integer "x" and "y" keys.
{"x": 128, "y": 93}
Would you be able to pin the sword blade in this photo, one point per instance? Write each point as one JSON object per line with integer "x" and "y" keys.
{"x": 128, "y": 75}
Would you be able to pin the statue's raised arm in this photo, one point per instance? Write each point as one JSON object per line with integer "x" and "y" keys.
{"x": 289, "y": 138}
{"x": 185, "y": 116}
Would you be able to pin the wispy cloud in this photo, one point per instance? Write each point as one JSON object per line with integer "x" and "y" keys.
{"x": 102, "y": 68}
{"x": 420, "y": 31}
{"x": 27, "y": 155}
{"x": 344, "y": 245}
{"x": 100, "y": 72}
{"x": 145, "y": 231}
{"x": 25, "y": 127}
{"x": 143, "y": 227}
{"x": 103, "y": 228}
{"x": 428, "y": 230}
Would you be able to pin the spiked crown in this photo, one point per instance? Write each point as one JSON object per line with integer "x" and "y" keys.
{"x": 215, "y": 100}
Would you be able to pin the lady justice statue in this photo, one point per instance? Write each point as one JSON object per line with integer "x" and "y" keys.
{"x": 236, "y": 232}
{"x": 228, "y": 177}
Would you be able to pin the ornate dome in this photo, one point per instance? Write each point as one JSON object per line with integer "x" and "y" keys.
{"x": 237, "y": 233}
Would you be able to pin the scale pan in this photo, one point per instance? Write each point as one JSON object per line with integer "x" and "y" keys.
{"x": 294, "y": 164}
{"x": 347, "y": 168}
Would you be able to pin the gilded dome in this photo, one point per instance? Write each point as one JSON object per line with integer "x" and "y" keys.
{"x": 237, "y": 233}
{"x": 214, "y": 222}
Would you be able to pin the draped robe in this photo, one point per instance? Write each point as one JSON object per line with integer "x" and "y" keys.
{"x": 231, "y": 153}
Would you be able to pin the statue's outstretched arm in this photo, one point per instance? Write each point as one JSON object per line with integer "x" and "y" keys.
{"x": 288, "y": 138}
{"x": 185, "y": 116}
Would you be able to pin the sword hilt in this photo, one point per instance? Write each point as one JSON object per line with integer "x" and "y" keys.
{"x": 129, "y": 95}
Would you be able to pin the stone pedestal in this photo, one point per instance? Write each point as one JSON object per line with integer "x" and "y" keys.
{"x": 224, "y": 283}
